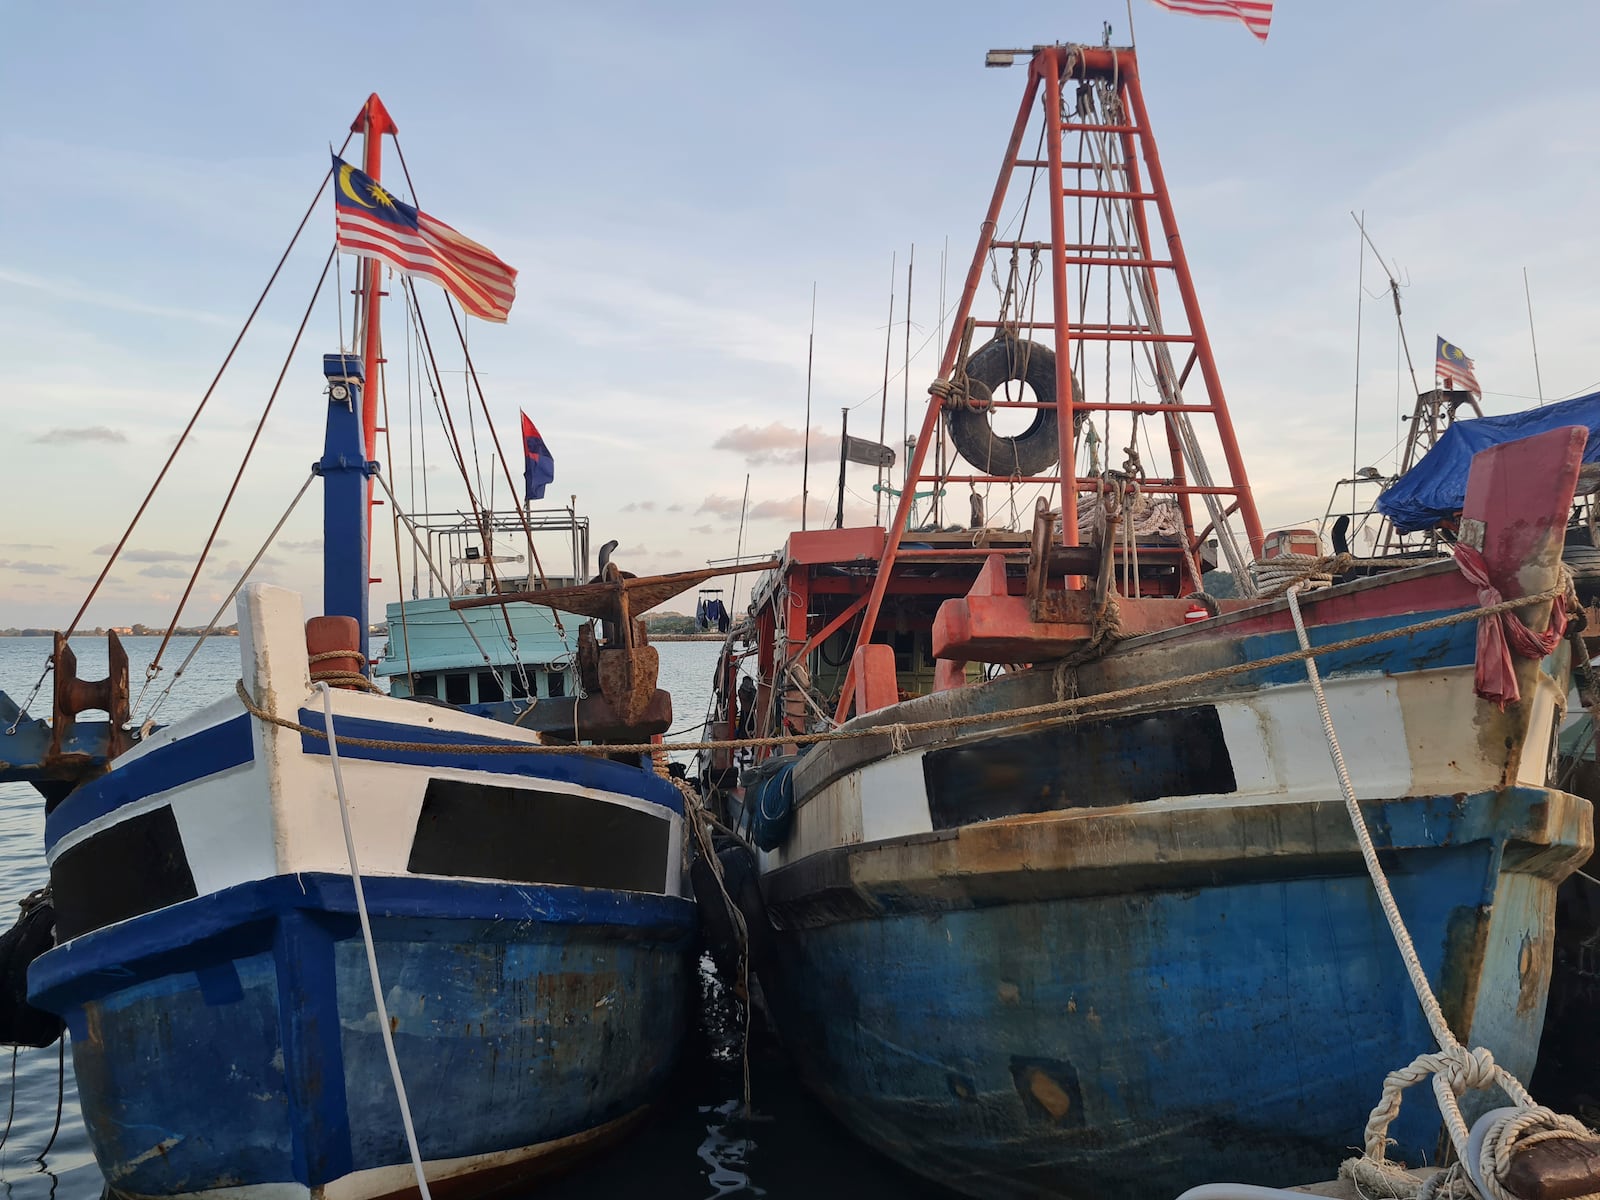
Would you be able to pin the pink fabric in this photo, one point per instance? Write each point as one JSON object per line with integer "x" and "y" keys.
{"x": 1498, "y": 636}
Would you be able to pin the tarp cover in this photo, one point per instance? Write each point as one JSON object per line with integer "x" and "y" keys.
{"x": 1437, "y": 486}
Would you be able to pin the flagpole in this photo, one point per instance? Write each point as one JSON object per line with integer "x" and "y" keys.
{"x": 372, "y": 122}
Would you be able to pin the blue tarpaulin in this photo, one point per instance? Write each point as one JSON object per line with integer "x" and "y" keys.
{"x": 1436, "y": 487}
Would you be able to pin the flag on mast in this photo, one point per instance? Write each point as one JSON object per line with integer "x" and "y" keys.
{"x": 1455, "y": 368}
{"x": 1256, "y": 14}
{"x": 538, "y": 467}
{"x": 371, "y": 221}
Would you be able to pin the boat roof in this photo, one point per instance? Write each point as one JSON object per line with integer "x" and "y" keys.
{"x": 1436, "y": 488}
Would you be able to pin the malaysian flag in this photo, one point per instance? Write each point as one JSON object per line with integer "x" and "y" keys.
{"x": 370, "y": 221}
{"x": 1256, "y": 14}
{"x": 1455, "y": 368}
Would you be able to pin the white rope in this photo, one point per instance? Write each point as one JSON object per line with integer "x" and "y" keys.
{"x": 366, "y": 937}
{"x": 1454, "y": 1068}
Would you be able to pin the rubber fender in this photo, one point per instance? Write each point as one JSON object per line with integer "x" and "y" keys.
{"x": 21, "y": 1024}
{"x": 743, "y": 879}
{"x": 769, "y": 800}
{"x": 1036, "y": 448}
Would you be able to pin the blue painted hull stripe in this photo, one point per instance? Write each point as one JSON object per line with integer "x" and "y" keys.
{"x": 1451, "y": 646}
{"x": 583, "y": 770}
{"x": 208, "y": 752}
{"x": 161, "y": 942}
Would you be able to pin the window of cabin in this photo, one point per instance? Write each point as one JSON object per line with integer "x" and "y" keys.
{"x": 489, "y": 689}
{"x": 558, "y": 682}
{"x": 458, "y": 688}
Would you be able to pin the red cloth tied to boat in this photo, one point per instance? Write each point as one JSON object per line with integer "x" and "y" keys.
{"x": 1498, "y": 635}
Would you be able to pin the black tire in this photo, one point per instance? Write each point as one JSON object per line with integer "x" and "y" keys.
{"x": 1035, "y": 449}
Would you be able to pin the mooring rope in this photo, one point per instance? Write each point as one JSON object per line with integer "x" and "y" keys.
{"x": 1453, "y": 1069}
{"x": 366, "y": 938}
{"x": 1069, "y": 709}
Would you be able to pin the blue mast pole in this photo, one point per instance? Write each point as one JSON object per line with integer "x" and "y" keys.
{"x": 345, "y": 471}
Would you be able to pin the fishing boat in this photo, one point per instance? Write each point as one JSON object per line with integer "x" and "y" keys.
{"x": 489, "y": 656}
{"x": 1058, "y": 892}
{"x": 319, "y": 940}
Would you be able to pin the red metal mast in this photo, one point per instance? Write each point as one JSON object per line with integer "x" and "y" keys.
{"x": 1108, "y": 119}
{"x": 372, "y": 122}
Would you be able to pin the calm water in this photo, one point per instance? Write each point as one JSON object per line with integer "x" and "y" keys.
{"x": 699, "y": 1145}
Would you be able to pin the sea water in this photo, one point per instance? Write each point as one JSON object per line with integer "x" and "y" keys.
{"x": 701, "y": 1142}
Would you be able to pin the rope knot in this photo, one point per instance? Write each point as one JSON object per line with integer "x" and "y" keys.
{"x": 1465, "y": 1069}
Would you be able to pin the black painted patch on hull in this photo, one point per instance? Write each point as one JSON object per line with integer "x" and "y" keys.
{"x": 1092, "y": 764}
{"x": 526, "y": 835}
{"x": 134, "y": 867}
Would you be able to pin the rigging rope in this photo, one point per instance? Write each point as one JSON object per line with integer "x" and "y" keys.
{"x": 116, "y": 551}
{"x": 155, "y": 705}
{"x": 1454, "y": 1069}
{"x": 1069, "y": 709}
{"x": 155, "y": 664}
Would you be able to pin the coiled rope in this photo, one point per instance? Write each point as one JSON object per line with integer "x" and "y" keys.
{"x": 1453, "y": 1069}
{"x": 351, "y": 679}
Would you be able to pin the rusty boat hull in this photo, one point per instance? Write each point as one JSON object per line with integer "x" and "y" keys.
{"x": 1132, "y": 1003}
{"x": 1134, "y": 949}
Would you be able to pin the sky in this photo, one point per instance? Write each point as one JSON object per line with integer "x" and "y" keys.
{"x": 671, "y": 183}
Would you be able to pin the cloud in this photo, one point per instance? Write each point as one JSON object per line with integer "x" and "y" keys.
{"x": 767, "y": 444}
{"x": 777, "y": 510}
{"x": 640, "y": 506}
{"x": 136, "y": 554}
{"x": 28, "y": 568}
{"x": 164, "y": 571}
{"x": 704, "y": 530}
{"x": 24, "y": 546}
{"x": 311, "y": 547}
{"x": 674, "y": 508}
{"x": 728, "y": 508}
{"x": 81, "y": 433}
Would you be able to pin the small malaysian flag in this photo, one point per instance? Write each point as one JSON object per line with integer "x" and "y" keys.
{"x": 370, "y": 221}
{"x": 1256, "y": 14}
{"x": 1455, "y": 368}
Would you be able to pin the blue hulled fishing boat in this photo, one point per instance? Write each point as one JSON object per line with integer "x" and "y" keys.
{"x": 319, "y": 940}
{"x": 1054, "y": 891}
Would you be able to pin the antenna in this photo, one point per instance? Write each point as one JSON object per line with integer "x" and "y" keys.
{"x": 905, "y": 374}
{"x": 805, "y": 432}
{"x": 1355, "y": 417}
{"x": 883, "y": 404}
{"x": 1529, "y": 297}
{"x": 1394, "y": 291}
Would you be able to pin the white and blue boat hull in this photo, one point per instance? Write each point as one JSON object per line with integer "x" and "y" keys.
{"x": 533, "y": 947}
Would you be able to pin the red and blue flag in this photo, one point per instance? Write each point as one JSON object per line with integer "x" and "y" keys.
{"x": 371, "y": 221}
{"x": 1455, "y": 368}
{"x": 538, "y": 468}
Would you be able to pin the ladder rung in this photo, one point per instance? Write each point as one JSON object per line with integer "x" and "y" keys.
{"x": 1070, "y": 166}
{"x": 1081, "y": 261}
{"x": 1103, "y": 194}
{"x": 1091, "y": 333}
{"x": 1080, "y": 127}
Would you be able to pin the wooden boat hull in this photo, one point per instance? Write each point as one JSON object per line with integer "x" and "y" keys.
{"x": 1131, "y": 1004}
{"x": 231, "y": 1042}
{"x": 1139, "y": 952}
{"x": 534, "y": 948}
